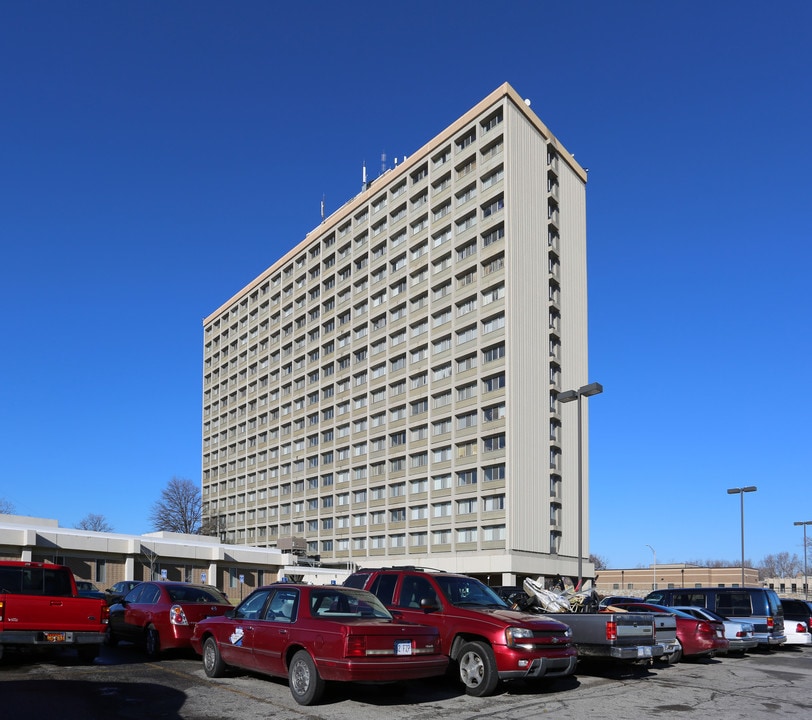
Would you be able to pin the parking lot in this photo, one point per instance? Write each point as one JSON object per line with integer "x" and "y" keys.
{"x": 122, "y": 683}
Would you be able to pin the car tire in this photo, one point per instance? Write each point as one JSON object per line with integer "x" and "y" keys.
{"x": 675, "y": 656}
{"x": 477, "y": 669}
{"x": 213, "y": 664}
{"x": 152, "y": 642}
{"x": 306, "y": 685}
{"x": 109, "y": 639}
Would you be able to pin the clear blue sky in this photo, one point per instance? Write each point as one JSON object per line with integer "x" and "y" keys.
{"x": 139, "y": 139}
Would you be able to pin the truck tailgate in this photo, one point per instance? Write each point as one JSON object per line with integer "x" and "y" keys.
{"x": 42, "y": 612}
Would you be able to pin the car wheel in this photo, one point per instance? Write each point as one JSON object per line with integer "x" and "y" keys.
{"x": 675, "y": 656}
{"x": 152, "y": 642}
{"x": 477, "y": 668}
{"x": 212, "y": 660}
{"x": 109, "y": 639}
{"x": 306, "y": 685}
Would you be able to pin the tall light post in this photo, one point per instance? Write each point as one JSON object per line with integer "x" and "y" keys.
{"x": 740, "y": 491}
{"x": 654, "y": 585}
{"x": 565, "y": 397}
{"x": 806, "y": 587}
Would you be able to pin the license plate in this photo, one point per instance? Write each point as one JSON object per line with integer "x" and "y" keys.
{"x": 403, "y": 647}
{"x": 644, "y": 651}
{"x": 55, "y": 637}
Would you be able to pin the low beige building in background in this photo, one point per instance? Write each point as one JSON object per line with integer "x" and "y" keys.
{"x": 640, "y": 581}
{"x": 105, "y": 558}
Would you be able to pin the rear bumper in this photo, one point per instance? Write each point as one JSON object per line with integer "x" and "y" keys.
{"x": 378, "y": 670}
{"x": 737, "y": 645}
{"x": 637, "y": 652}
{"x": 770, "y": 640}
{"x": 41, "y": 637}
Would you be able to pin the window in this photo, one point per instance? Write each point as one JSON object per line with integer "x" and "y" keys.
{"x": 442, "y": 371}
{"x": 493, "y": 177}
{"x": 494, "y": 323}
{"x": 466, "y": 477}
{"x": 493, "y": 413}
{"x": 492, "y": 503}
{"x": 492, "y": 294}
{"x": 493, "y": 353}
{"x": 493, "y": 383}
{"x": 466, "y": 363}
{"x": 468, "y": 420}
{"x": 493, "y": 443}
{"x": 494, "y": 472}
{"x": 466, "y": 507}
{"x": 466, "y": 535}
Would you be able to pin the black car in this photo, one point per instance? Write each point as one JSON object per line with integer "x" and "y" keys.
{"x": 613, "y": 599}
{"x": 119, "y": 590}
{"x": 797, "y": 611}
{"x": 85, "y": 588}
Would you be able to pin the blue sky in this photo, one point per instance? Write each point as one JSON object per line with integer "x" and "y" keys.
{"x": 138, "y": 139}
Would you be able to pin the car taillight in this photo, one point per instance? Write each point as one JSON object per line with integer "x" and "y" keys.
{"x": 770, "y": 623}
{"x": 105, "y": 613}
{"x": 800, "y": 628}
{"x": 2, "y": 609}
{"x": 356, "y": 646}
{"x": 611, "y": 630}
{"x": 705, "y": 628}
{"x": 177, "y": 616}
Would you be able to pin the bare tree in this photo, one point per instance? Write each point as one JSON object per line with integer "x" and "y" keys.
{"x": 600, "y": 562}
{"x": 780, "y": 565}
{"x": 97, "y": 523}
{"x": 7, "y": 507}
{"x": 179, "y": 509}
{"x": 149, "y": 559}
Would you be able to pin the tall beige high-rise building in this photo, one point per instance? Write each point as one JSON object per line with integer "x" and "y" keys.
{"x": 386, "y": 391}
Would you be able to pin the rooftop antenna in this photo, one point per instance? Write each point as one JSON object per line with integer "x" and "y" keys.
{"x": 383, "y": 163}
{"x": 322, "y": 208}
{"x": 364, "y": 184}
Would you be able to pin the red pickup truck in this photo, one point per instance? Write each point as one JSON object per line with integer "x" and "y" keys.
{"x": 40, "y": 608}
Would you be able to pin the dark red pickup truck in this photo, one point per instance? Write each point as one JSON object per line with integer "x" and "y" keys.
{"x": 40, "y": 609}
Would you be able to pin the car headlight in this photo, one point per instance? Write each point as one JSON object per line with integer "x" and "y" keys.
{"x": 518, "y": 636}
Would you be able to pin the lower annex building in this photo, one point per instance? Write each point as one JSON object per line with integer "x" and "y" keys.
{"x": 386, "y": 392}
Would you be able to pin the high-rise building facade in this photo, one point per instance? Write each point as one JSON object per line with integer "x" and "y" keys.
{"x": 386, "y": 391}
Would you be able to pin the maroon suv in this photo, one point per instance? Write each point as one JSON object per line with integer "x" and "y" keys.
{"x": 484, "y": 638}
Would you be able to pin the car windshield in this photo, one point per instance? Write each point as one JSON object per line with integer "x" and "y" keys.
{"x": 461, "y": 590}
{"x": 340, "y": 601}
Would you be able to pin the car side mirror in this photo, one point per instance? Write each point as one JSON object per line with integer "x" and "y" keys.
{"x": 429, "y": 605}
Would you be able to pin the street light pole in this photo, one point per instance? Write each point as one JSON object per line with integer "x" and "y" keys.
{"x": 740, "y": 491}
{"x": 654, "y": 585}
{"x": 806, "y": 587}
{"x": 565, "y": 397}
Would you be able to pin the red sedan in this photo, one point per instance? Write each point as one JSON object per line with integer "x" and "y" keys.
{"x": 698, "y": 637}
{"x": 162, "y": 615}
{"x": 312, "y": 634}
